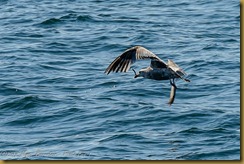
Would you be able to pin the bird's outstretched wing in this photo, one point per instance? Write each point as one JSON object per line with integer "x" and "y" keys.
{"x": 123, "y": 62}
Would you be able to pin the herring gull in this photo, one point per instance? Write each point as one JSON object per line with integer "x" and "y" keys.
{"x": 158, "y": 69}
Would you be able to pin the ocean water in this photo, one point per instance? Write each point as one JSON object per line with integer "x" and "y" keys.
{"x": 57, "y": 103}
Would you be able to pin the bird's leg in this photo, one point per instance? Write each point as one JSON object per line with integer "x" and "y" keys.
{"x": 173, "y": 82}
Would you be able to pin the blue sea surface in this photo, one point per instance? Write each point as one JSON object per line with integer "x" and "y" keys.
{"x": 56, "y": 102}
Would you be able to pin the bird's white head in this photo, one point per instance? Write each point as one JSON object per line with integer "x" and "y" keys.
{"x": 139, "y": 74}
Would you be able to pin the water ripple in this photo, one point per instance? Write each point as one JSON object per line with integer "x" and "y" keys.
{"x": 55, "y": 97}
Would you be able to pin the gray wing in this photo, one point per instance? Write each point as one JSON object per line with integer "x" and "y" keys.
{"x": 123, "y": 62}
{"x": 155, "y": 63}
{"x": 177, "y": 70}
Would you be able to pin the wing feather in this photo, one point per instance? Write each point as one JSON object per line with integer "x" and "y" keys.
{"x": 123, "y": 65}
{"x": 128, "y": 66}
{"x": 157, "y": 64}
{"x": 123, "y": 62}
{"x": 176, "y": 68}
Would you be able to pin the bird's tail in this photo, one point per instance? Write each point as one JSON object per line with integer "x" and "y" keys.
{"x": 179, "y": 71}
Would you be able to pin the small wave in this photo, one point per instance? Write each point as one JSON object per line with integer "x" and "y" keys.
{"x": 54, "y": 80}
{"x": 68, "y": 16}
{"x": 105, "y": 15}
{"x": 56, "y": 67}
{"x": 56, "y": 45}
{"x": 190, "y": 131}
{"x": 214, "y": 46}
{"x": 23, "y": 121}
{"x": 25, "y": 103}
{"x": 11, "y": 90}
{"x": 231, "y": 40}
{"x": 218, "y": 154}
{"x": 131, "y": 136}
{"x": 84, "y": 18}
{"x": 51, "y": 21}
{"x": 108, "y": 83}
{"x": 124, "y": 19}
{"x": 66, "y": 19}
{"x": 28, "y": 35}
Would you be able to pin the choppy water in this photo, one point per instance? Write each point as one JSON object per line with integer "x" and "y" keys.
{"x": 57, "y": 103}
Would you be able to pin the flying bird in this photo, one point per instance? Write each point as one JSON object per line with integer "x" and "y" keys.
{"x": 158, "y": 69}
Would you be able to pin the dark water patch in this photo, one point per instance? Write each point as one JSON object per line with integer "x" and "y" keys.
{"x": 20, "y": 104}
{"x": 51, "y": 51}
{"x": 28, "y": 35}
{"x": 123, "y": 136}
{"x": 214, "y": 47}
{"x": 23, "y": 121}
{"x": 230, "y": 122}
{"x": 210, "y": 155}
{"x": 51, "y": 21}
{"x": 4, "y": 2}
{"x": 208, "y": 64}
{"x": 25, "y": 103}
{"x": 134, "y": 92}
{"x": 145, "y": 121}
{"x": 108, "y": 83}
{"x": 71, "y": 16}
{"x": 53, "y": 45}
{"x": 197, "y": 117}
{"x": 231, "y": 40}
{"x": 181, "y": 4}
{"x": 52, "y": 117}
{"x": 85, "y": 18}
{"x": 105, "y": 15}
{"x": 55, "y": 80}
{"x": 107, "y": 99}
{"x": 59, "y": 63}
{"x": 108, "y": 47}
{"x": 218, "y": 131}
{"x": 51, "y": 66}
{"x": 7, "y": 89}
{"x": 191, "y": 131}
{"x": 125, "y": 19}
